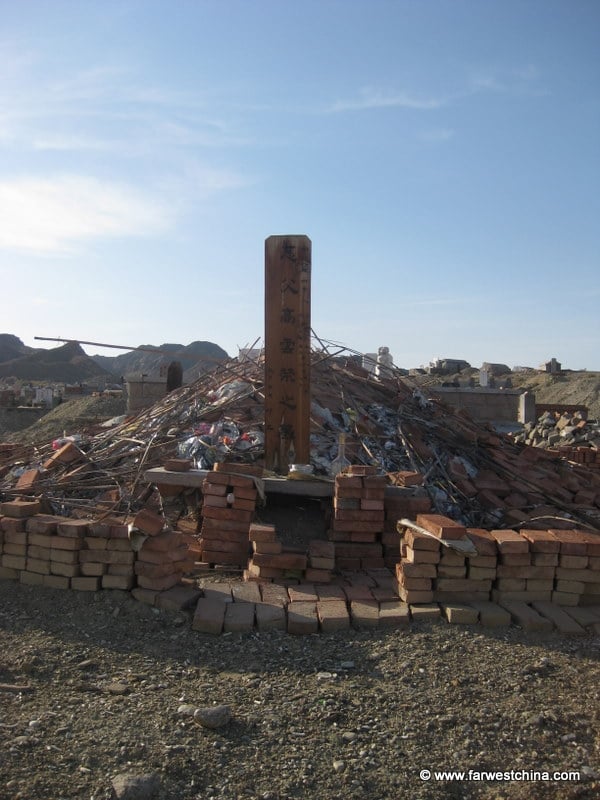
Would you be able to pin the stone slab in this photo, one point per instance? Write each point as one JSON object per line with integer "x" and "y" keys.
{"x": 364, "y": 613}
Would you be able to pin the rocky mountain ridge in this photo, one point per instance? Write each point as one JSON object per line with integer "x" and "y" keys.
{"x": 69, "y": 363}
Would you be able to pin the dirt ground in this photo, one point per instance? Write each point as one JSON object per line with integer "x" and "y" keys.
{"x": 97, "y": 685}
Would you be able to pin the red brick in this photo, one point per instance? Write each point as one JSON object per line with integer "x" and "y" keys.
{"x": 239, "y": 617}
{"x": 302, "y": 618}
{"x": 13, "y": 525}
{"x": 267, "y": 547}
{"x": 270, "y": 617}
{"x": 149, "y": 522}
{"x": 85, "y": 584}
{"x": 14, "y": 562}
{"x": 67, "y": 454}
{"x": 178, "y": 464}
{"x": 422, "y": 556}
{"x": 510, "y": 541}
{"x": 90, "y": 569}
{"x": 27, "y": 480}
{"x": 408, "y": 570}
{"x": 572, "y": 542}
{"x": 57, "y": 582}
{"x": 19, "y": 509}
{"x": 541, "y": 541}
{"x": 364, "y": 613}
{"x": 441, "y": 526}
{"x": 11, "y": 549}
{"x": 415, "y": 596}
{"x": 333, "y": 615}
{"x": 160, "y": 584}
{"x": 209, "y": 615}
{"x": 515, "y": 559}
{"x": 227, "y": 514}
{"x": 66, "y": 570}
{"x": 348, "y": 482}
{"x": 73, "y": 528}
{"x": 483, "y": 540}
{"x": 123, "y": 582}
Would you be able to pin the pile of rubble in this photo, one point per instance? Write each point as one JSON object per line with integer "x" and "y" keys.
{"x": 468, "y": 472}
{"x": 572, "y": 436}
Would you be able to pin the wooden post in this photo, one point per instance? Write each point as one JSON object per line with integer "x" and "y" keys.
{"x": 287, "y": 351}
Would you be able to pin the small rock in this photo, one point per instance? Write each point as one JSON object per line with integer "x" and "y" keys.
{"x": 347, "y": 665}
{"x": 339, "y": 766}
{"x": 127, "y": 786}
{"x": 186, "y": 710}
{"x": 589, "y": 774}
{"x": 324, "y": 676}
{"x": 117, "y": 688}
{"x": 348, "y": 736}
{"x": 87, "y": 664}
{"x": 213, "y": 716}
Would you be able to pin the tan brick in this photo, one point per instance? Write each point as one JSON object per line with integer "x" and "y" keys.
{"x": 85, "y": 584}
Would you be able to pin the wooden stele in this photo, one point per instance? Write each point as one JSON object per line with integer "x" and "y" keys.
{"x": 287, "y": 351}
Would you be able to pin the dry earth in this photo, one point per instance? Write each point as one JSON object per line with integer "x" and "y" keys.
{"x": 109, "y": 686}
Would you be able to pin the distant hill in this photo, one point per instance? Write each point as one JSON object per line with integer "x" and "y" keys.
{"x": 69, "y": 363}
{"x": 12, "y": 347}
{"x": 66, "y": 364}
{"x": 195, "y": 358}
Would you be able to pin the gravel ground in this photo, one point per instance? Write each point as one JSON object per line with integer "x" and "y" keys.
{"x": 112, "y": 685}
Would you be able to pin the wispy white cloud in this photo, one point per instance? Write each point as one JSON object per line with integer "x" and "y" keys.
{"x": 436, "y": 135}
{"x": 56, "y": 215}
{"x": 371, "y": 98}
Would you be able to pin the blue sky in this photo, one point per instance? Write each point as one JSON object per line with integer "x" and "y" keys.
{"x": 442, "y": 156}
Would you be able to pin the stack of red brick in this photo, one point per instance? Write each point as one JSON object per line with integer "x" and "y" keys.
{"x": 45, "y": 550}
{"x": 578, "y": 454}
{"x": 229, "y": 503}
{"x": 270, "y": 561}
{"x": 86, "y": 555}
{"x": 358, "y": 519}
{"x": 400, "y": 503}
{"x": 561, "y": 566}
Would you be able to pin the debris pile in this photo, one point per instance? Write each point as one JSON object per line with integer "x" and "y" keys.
{"x": 565, "y": 433}
{"x": 469, "y": 473}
